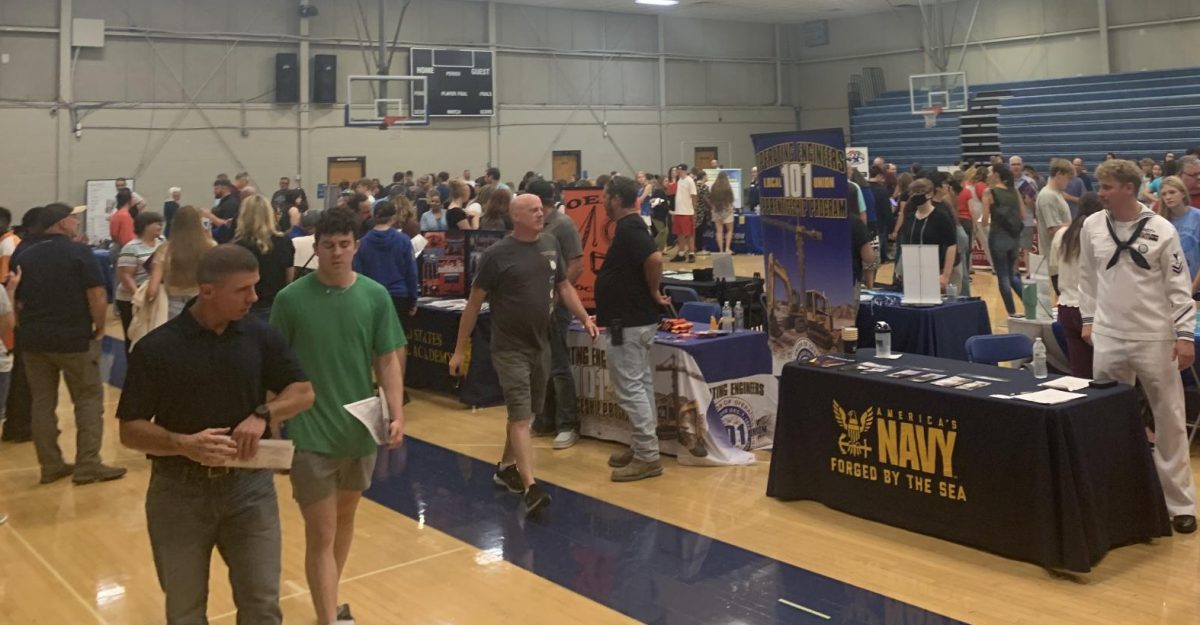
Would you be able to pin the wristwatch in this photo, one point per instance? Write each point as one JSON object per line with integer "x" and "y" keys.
{"x": 263, "y": 412}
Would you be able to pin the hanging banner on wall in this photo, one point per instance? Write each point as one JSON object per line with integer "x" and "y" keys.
{"x": 586, "y": 208}
{"x": 806, "y": 239}
{"x": 860, "y": 158}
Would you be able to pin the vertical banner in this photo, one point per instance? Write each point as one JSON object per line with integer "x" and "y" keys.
{"x": 806, "y": 241}
{"x": 586, "y": 208}
{"x": 860, "y": 159}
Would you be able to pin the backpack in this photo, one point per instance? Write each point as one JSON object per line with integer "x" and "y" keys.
{"x": 1007, "y": 219}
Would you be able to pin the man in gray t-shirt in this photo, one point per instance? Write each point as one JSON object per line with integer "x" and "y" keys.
{"x": 520, "y": 276}
{"x": 559, "y": 417}
{"x": 1052, "y": 210}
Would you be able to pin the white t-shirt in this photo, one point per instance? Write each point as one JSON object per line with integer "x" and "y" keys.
{"x": 6, "y": 359}
{"x": 683, "y": 196}
{"x": 8, "y": 245}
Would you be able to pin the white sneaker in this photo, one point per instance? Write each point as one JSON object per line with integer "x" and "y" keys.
{"x": 566, "y": 439}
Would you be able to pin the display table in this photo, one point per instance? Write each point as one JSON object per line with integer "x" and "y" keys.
{"x": 1043, "y": 329}
{"x": 940, "y": 331}
{"x": 1055, "y": 485}
{"x": 432, "y": 333}
{"x": 715, "y": 397}
{"x": 747, "y": 235}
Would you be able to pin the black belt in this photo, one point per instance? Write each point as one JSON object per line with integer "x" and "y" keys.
{"x": 191, "y": 470}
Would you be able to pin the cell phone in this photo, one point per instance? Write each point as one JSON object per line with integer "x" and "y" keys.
{"x": 1102, "y": 383}
{"x": 616, "y": 330}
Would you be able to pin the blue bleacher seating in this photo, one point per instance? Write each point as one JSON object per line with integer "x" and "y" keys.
{"x": 1135, "y": 114}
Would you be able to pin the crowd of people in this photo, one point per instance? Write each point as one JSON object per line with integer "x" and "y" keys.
{"x": 295, "y": 312}
{"x": 1122, "y": 248}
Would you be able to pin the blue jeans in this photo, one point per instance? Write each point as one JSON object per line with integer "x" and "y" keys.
{"x": 632, "y": 378}
{"x": 561, "y": 414}
{"x": 1005, "y": 252}
{"x": 188, "y": 513}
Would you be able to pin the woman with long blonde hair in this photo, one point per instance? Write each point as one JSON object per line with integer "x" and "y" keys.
{"x": 173, "y": 269}
{"x": 275, "y": 252}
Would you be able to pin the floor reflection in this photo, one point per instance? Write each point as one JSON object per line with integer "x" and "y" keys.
{"x": 651, "y": 571}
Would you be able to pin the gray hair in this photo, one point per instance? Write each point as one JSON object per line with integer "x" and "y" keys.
{"x": 173, "y": 191}
{"x": 1190, "y": 159}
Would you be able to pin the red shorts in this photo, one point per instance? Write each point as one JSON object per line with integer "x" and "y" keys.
{"x": 683, "y": 225}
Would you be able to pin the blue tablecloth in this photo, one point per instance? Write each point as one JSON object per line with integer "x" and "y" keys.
{"x": 940, "y": 331}
{"x": 747, "y": 235}
{"x": 104, "y": 258}
{"x": 432, "y": 333}
{"x": 716, "y": 397}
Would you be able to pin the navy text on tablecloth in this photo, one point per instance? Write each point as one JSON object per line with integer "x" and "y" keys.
{"x": 1055, "y": 485}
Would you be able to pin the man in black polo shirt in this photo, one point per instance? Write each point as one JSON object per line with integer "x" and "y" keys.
{"x": 61, "y": 310}
{"x": 224, "y": 214}
{"x": 194, "y": 397}
{"x": 628, "y": 304}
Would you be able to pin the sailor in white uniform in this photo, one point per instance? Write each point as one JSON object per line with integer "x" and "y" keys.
{"x": 1137, "y": 309}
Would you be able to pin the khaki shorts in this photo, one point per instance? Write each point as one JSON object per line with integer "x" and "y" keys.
{"x": 316, "y": 476}
{"x": 523, "y": 380}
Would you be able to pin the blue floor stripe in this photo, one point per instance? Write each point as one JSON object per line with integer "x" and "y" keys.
{"x": 651, "y": 571}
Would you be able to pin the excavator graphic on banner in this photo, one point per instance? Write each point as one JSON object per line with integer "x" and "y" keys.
{"x": 796, "y": 316}
{"x": 678, "y": 417}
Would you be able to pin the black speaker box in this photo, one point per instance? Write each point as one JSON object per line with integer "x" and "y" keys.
{"x": 324, "y": 87}
{"x": 287, "y": 78}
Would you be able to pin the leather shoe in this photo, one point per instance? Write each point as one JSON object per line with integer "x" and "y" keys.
{"x": 620, "y": 458}
{"x": 99, "y": 473}
{"x": 1184, "y": 523}
{"x": 50, "y": 477}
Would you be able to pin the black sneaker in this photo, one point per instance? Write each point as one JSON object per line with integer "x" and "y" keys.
{"x": 691, "y": 258}
{"x": 535, "y": 499}
{"x": 343, "y": 613}
{"x": 510, "y": 478}
{"x": 678, "y": 258}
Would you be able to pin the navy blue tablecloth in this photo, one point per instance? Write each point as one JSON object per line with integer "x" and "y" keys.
{"x": 737, "y": 355}
{"x": 940, "y": 331}
{"x": 432, "y": 333}
{"x": 747, "y": 235}
{"x": 1056, "y": 485}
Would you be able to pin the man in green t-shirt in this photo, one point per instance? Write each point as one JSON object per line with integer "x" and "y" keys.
{"x": 343, "y": 327}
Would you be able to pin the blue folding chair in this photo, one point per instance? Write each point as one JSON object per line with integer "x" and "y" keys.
{"x": 681, "y": 295}
{"x": 700, "y": 312}
{"x": 997, "y": 348}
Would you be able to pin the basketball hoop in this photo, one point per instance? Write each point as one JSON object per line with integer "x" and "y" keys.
{"x": 392, "y": 120}
{"x": 931, "y": 115}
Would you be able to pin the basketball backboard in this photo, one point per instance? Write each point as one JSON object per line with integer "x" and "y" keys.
{"x": 948, "y": 91}
{"x": 386, "y": 101}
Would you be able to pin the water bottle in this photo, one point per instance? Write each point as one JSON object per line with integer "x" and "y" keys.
{"x": 1039, "y": 359}
{"x": 951, "y": 292}
{"x": 883, "y": 339}
{"x": 726, "y": 318}
{"x": 739, "y": 317}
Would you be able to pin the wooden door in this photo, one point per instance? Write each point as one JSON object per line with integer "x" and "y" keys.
{"x": 703, "y": 157}
{"x": 566, "y": 165}
{"x": 349, "y": 168}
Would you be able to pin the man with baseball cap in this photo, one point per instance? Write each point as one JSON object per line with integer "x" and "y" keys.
{"x": 559, "y": 417}
{"x": 61, "y": 308}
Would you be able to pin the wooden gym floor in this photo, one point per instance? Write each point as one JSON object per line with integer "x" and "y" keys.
{"x": 80, "y": 555}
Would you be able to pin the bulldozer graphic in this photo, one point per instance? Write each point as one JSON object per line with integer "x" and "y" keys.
{"x": 797, "y": 318}
{"x": 679, "y": 418}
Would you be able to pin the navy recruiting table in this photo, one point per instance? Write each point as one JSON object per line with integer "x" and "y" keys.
{"x": 747, "y": 235}
{"x": 940, "y": 331}
{"x": 715, "y": 397}
{"x": 432, "y": 333}
{"x": 1057, "y": 485}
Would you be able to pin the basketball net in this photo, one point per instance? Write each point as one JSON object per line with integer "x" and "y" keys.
{"x": 391, "y": 120}
{"x": 931, "y": 115}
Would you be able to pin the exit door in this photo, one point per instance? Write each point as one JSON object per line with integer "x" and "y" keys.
{"x": 566, "y": 165}
{"x": 703, "y": 157}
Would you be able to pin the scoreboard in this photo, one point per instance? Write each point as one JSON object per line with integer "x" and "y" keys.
{"x": 459, "y": 82}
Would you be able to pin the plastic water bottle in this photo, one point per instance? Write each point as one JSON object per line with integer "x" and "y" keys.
{"x": 739, "y": 317}
{"x": 726, "y": 318}
{"x": 1039, "y": 359}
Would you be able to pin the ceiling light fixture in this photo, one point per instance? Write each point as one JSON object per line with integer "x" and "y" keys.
{"x": 657, "y": 3}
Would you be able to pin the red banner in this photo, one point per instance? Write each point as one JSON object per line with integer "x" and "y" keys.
{"x": 586, "y": 208}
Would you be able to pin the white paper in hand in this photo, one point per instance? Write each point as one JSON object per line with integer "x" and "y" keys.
{"x": 372, "y": 412}
{"x": 272, "y": 454}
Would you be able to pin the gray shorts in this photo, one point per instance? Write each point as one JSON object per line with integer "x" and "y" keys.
{"x": 523, "y": 380}
{"x": 316, "y": 476}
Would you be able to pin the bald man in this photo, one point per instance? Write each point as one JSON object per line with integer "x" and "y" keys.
{"x": 519, "y": 276}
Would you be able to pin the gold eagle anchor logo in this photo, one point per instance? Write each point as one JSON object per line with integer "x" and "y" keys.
{"x": 851, "y": 441}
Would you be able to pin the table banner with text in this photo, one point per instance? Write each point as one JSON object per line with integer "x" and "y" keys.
{"x": 586, "y": 208}
{"x": 806, "y": 239}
